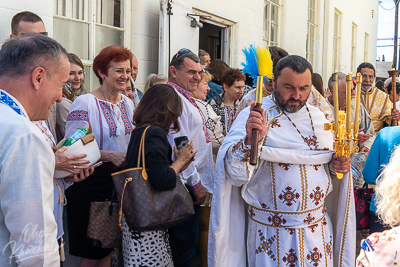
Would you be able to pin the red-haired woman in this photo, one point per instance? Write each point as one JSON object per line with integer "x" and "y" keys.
{"x": 110, "y": 115}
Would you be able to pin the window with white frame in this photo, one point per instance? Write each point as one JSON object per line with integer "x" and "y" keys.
{"x": 271, "y": 22}
{"x": 336, "y": 41}
{"x": 353, "y": 45}
{"x": 84, "y": 27}
{"x": 366, "y": 47}
{"x": 311, "y": 28}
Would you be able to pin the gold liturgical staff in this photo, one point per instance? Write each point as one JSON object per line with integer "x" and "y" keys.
{"x": 346, "y": 132}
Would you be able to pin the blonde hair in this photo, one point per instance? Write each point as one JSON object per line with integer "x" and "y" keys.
{"x": 387, "y": 191}
{"x": 205, "y": 75}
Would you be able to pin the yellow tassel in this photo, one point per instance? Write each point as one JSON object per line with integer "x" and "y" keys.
{"x": 62, "y": 252}
{"x": 264, "y": 62}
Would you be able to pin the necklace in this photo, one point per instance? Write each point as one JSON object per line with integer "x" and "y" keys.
{"x": 310, "y": 140}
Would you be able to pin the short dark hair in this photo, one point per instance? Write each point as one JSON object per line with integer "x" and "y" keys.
{"x": 23, "y": 16}
{"x": 380, "y": 85}
{"x": 231, "y": 75}
{"x": 108, "y": 54}
{"x": 178, "y": 59}
{"x": 389, "y": 88}
{"x": 318, "y": 83}
{"x": 341, "y": 76}
{"x": 160, "y": 106}
{"x": 216, "y": 68}
{"x": 365, "y": 65}
{"x": 296, "y": 63}
{"x": 276, "y": 54}
{"x": 20, "y": 55}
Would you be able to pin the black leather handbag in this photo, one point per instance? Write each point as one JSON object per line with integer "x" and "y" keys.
{"x": 148, "y": 209}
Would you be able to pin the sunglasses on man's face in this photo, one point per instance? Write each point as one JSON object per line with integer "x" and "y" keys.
{"x": 42, "y": 33}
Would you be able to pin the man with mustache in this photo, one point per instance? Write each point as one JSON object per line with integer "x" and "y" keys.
{"x": 289, "y": 209}
{"x": 376, "y": 102}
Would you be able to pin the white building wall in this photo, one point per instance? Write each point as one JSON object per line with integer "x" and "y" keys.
{"x": 247, "y": 16}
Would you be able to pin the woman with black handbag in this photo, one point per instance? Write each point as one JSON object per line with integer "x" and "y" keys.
{"x": 159, "y": 108}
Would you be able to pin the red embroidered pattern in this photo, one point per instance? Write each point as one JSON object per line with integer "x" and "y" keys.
{"x": 127, "y": 123}
{"x": 328, "y": 248}
{"x": 276, "y": 220}
{"x": 274, "y": 123}
{"x": 266, "y": 245}
{"x": 317, "y": 195}
{"x": 263, "y": 205}
{"x": 290, "y": 259}
{"x": 289, "y": 196}
{"x": 252, "y": 214}
{"x": 105, "y": 107}
{"x": 312, "y": 227}
{"x": 309, "y": 219}
{"x": 78, "y": 115}
{"x": 246, "y": 157}
{"x": 316, "y": 167}
{"x": 311, "y": 140}
{"x": 285, "y": 165}
{"x": 314, "y": 257}
{"x": 290, "y": 230}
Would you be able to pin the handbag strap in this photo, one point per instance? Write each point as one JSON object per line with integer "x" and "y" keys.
{"x": 129, "y": 179}
{"x": 141, "y": 154}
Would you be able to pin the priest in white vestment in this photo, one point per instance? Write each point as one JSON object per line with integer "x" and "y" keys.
{"x": 278, "y": 213}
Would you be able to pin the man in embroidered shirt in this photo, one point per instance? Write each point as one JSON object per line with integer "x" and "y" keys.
{"x": 286, "y": 220}
{"x": 33, "y": 70}
{"x": 184, "y": 77}
{"x": 376, "y": 102}
{"x": 28, "y": 22}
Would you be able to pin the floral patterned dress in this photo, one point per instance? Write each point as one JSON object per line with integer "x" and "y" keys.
{"x": 380, "y": 249}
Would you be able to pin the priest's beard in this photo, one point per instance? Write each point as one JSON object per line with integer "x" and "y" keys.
{"x": 285, "y": 104}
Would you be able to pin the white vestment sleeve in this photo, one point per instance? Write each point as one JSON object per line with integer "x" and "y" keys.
{"x": 26, "y": 190}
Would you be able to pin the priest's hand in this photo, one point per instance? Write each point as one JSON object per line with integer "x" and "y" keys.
{"x": 255, "y": 121}
{"x": 362, "y": 137}
{"x": 341, "y": 164}
{"x": 395, "y": 114}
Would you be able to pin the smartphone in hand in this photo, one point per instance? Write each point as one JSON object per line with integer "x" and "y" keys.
{"x": 181, "y": 141}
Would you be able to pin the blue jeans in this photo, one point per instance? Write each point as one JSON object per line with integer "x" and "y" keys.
{"x": 183, "y": 240}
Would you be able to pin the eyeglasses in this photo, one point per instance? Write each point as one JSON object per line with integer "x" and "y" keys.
{"x": 42, "y": 33}
{"x": 180, "y": 53}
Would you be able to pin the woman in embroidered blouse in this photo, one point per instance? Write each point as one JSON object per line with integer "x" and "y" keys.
{"x": 109, "y": 114}
{"x": 383, "y": 249}
{"x": 226, "y": 103}
{"x": 71, "y": 90}
{"x": 160, "y": 108}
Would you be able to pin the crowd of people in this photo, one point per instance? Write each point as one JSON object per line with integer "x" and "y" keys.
{"x": 290, "y": 209}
